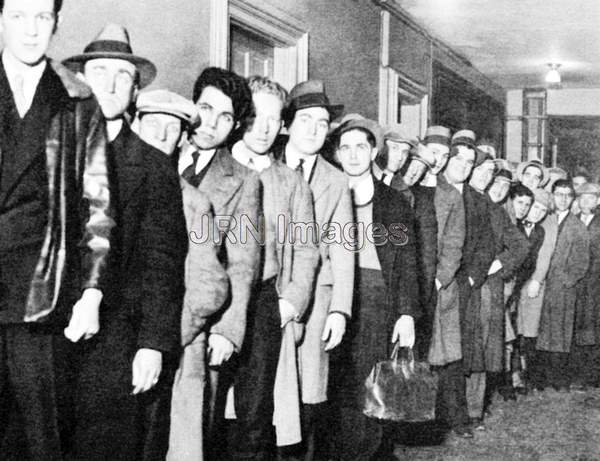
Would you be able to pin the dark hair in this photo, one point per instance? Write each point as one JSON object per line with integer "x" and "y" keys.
{"x": 519, "y": 190}
{"x": 565, "y": 183}
{"x": 57, "y": 5}
{"x": 234, "y": 87}
{"x": 337, "y": 135}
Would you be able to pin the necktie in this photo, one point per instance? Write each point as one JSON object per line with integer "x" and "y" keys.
{"x": 251, "y": 164}
{"x": 384, "y": 178}
{"x": 528, "y": 224}
{"x": 19, "y": 94}
{"x": 189, "y": 174}
{"x": 300, "y": 167}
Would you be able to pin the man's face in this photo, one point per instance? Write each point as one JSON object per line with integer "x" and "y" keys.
{"x": 309, "y": 129}
{"x": 261, "y": 135}
{"x": 531, "y": 177}
{"x": 162, "y": 131}
{"x": 499, "y": 190}
{"x": 482, "y": 175}
{"x": 397, "y": 154}
{"x": 587, "y": 203}
{"x": 113, "y": 83}
{"x": 578, "y": 181}
{"x": 521, "y": 205}
{"x": 563, "y": 197}
{"x": 355, "y": 153}
{"x": 217, "y": 119}
{"x": 460, "y": 166}
{"x": 415, "y": 171}
{"x": 537, "y": 212}
{"x": 440, "y": 152}
{"x": 26, "y": 27}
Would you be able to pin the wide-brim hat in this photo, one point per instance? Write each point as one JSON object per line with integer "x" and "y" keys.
{"x": 113, "y": 43}
{"x": 311, "y": 93}
{"x": 167, "y": 102}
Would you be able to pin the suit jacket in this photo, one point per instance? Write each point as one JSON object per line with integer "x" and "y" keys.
{"x": 150, "y": 242}
{"x": 450, "y": 214}
{"x": 568, "y": 266}
{"x": 289, "y": 198}
{"x": 234, "y": 194}
{"x": 206, "y": 280}
{"x": 75, "y": 245}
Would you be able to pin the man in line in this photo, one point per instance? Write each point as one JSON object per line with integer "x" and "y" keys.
{"x": 54, "y": 228}
{"x": 163, "y": 118}
{"x": 281, "y": 297}
{"x": 568, "y": 266}
{"x": 385, "y": 292}
{"x": 307, "y": 116}
{"x": 446, "y": 350}
{"x": 225, "y": 106}
{"x": 394, "y": 154}
{"x": 127, "y": 371}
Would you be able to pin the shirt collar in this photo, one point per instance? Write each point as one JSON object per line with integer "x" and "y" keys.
{"x": 292, "y": 159}
{"x": 363, "y": 191}
{"x": 244, "y": 156}
{"x": 31, "y": 74}
{"x": 186, "y": 159}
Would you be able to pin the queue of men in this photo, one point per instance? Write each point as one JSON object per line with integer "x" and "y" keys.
{"x": 181, "y": 280}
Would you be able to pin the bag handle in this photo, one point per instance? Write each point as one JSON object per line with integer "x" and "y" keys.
{"x": 408, "y": 363}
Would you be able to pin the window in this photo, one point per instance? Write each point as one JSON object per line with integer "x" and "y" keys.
{"x": 535, "y": 126}
{"x": 250, "y": 41}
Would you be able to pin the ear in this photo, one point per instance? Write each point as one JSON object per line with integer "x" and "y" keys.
{"x": 374, "y": 153}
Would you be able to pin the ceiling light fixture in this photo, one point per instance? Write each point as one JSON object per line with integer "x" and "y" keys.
{"x": 553, "y": 76}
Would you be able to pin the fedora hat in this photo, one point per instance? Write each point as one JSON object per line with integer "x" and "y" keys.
{"x": 311, "y": 93}
{"x": 113, "y": 43}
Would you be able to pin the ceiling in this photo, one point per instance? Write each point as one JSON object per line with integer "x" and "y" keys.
{"x": 511, "y": 41}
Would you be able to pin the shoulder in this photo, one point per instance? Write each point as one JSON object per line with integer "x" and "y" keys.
{"x": 75, "y": 87}
{"x": 335, "y": 177}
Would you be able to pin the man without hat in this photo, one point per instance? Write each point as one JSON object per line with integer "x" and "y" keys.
{"x": 385, "y": 292}
{"x": 307, "y": 116}
{"x": 281, "y": 297}
{"x": 54, "y": 228}
{"x": 568, "y": 266}
{"x": 128, "y": 370}
{"x": 163, "y": 119}
{"x": 510, "y": 250}
{"x": 585, "y": 355}
{"x": 225, "y": 106}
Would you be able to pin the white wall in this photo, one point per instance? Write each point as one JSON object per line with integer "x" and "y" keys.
{"x": 582, "y": 102}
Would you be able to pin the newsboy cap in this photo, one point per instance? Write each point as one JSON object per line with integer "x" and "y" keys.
{"x": 167, "y": 102}
{"x": 437, "y": 134}
{"x": 113, "y": 43}
{"x": 397, "y": 135}
{"x": 363, "y": 123}
{"x": 310, "y": 93}
{"x": 589, "y": 188}
{"x": 464, "y": 137}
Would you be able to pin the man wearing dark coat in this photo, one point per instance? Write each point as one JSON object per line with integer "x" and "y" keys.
{"x": 568, "y": 266}
{"x": 585, "y": 357}
{"x": 55, "y": 223}
{"x": 385, "y": 294}
{"x": 510, "y": 250}
{"x": 124, "y": 387}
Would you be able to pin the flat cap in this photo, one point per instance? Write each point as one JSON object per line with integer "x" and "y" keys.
{"x": 589, "y": 188}
{"x": 358, "y": 121}
{"x": 437, "y": 134}
{"x": 167, "y": 102}
{"x": 396, "y": 135}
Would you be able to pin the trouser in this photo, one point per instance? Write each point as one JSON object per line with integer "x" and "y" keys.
{"x": 451, "y": 402}
{"x": 187, "y": 403}
{"x": 251, "y": 434}
{"x": 317, "y": 421}
{"x": 111, "y": 422}
{"x": 35, "y": 391}
{"x": 554, "y": 368}
{"x": 475, "y": 391}
{"x": 585, "y": 364}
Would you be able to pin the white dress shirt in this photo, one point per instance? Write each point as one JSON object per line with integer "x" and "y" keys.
{"x": 561, "y": 215}
{"x": 292, "y": 160}
{"x": 246, "y": 157}
{"x": 186, "y": 159}
{"x": 586, "y": 218}
{"x": 26, "y": 77}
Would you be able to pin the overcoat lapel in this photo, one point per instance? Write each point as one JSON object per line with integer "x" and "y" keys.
{"x": 386, "y": 251}
{"x": 319, "y": 183}
{"x": 220, "y": 179}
